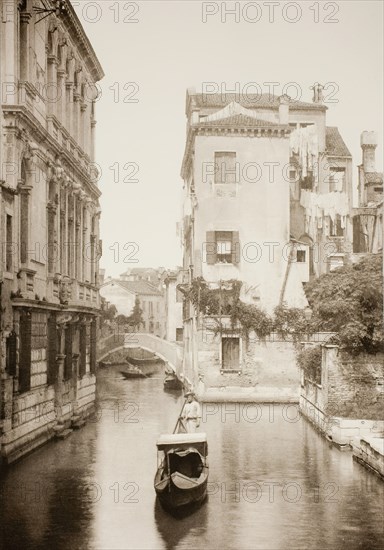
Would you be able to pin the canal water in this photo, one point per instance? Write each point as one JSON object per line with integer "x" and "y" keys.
{"x": 274, "y": 482}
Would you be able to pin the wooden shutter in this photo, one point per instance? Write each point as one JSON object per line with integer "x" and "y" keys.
{"x": 236, "y": 249}
{"x": 68, "y": 352}
{"x": 230, "y": 353}
{"x": 93, "y": 346}
{"x": 25, "y": 352}
{"x": 52, "y": 350}
{"x": 83, "y": 350}
{"x": 210, "y": 245}
{"x": 11, "y": 353}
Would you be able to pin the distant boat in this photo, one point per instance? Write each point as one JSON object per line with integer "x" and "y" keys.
{"x": 171, "y": 382}
{"x": 133, "y": 372}
{"x": 142, "y": 362}
{"x": 182, "y": 474}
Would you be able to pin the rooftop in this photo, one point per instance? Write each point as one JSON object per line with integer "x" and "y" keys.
{"x": 334, "y": 143}
{"x": 251, "y": 101}
{"x": 238, "y": 120}
{"x": 373, "y": 177}
{"x": 137, "y": 287}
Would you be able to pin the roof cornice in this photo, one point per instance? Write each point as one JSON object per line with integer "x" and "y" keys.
{"x": 76, "y": 30}
{"x": 267, "y": 131}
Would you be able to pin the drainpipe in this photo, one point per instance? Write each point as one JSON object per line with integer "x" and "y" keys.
{"x": 282, "y": 292}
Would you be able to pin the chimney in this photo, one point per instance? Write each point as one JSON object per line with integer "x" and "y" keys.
{"x": 368, "y": 142}
{"x": 317, "y": 93}
{"x": 284, "y": 109}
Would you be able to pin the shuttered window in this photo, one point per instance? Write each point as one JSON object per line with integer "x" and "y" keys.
{"x": 52, "y": 350}
{"x": 222, "y": 247}
{"x": 230, "y": 350}
{"x": 10, "y": 360}
{"x": 68, "y": 352}
{"x": 83, "y": 350}
{"x": 93, "y": 346}
{"x": 25, "y": 352}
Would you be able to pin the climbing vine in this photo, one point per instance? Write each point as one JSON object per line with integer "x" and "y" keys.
{"x": 309, "y": 360}
{"x": 226, "y": 301}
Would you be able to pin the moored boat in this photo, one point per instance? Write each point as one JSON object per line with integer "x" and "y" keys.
{"x": 133, "y": 372}
{"x": 182, "y": 474}
{"x": 171, "y": 382}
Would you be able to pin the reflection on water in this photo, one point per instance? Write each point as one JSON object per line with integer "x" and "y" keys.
{"x": 274, "y": 482}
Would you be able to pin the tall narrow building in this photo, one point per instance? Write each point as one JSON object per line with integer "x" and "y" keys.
{"x": 49, "y": 223}
{"x": 267, "y": 201}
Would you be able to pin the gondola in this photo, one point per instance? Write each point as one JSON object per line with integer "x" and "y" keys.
{"x": 182, "y": 474}
{"x": 133, "y": 372}
{"x": 171, "y": 382}
{"x": 141, "y": 362}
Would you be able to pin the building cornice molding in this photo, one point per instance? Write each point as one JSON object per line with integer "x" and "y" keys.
{"x": 76, "y": 31}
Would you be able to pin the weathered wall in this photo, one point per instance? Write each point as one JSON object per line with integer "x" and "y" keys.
{"x": 255, "y": 207}
{"x": 268, "y": 370}
{"x": 349, "y": 401}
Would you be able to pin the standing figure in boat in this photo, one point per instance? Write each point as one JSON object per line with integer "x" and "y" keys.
{"x": 191, "y": 414}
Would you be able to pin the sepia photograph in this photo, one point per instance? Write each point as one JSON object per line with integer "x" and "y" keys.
{"x": 191, "y": 275}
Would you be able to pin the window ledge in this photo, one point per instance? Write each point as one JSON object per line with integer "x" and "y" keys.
{"x": 230, "y": 371}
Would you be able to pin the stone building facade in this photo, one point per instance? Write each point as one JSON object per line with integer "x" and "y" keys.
{"x": 49, "y": 223}
{"x": 123, "y": 294}
{"x": 267, "y": 201}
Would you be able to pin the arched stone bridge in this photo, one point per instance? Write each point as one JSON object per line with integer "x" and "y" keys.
{"x": 169, "y": 352}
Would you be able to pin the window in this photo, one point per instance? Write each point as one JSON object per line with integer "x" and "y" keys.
{"x": 52, "y": 349}
{"x": 25, "y": 351}
{"x": 68, "y": 352}
{"x": 225, "y": 168}
{"x": 300, "y": 256}
{"x": 378, "y": 189}
{"x": 83, "y": 350}
{"x": 230, "y": 353}
{"x": 10, "y": 354}
{"x": 179, "y": 334}
{"x": 92, "y": 344}
{"x": 336, "y": 179}
{"x": 335, "y": 228}
{"x": 9, "y": 244}
{"x": 223, "y": 247}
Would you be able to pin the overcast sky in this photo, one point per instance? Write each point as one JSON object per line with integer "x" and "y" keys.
{"x": 169, "y": 49}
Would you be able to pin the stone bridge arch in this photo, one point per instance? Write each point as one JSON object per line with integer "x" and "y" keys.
{"x": 169, "y": 352}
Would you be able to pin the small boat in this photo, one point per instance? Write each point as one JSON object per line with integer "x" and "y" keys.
{"x": 133, "y": 372}
{"x": 171, "y": 382}
{"x": 140, "y": 362}
{"x": 182, "y": 473}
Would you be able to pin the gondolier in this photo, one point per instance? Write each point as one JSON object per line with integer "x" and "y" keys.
{"x": 191, "y": 413}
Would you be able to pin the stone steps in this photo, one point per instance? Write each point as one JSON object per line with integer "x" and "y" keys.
{"x": 63, "y": 434}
